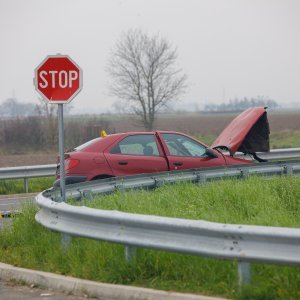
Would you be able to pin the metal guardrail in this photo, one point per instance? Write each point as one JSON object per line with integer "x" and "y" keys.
{"x": 26, "y": 172}
{"x": 274, "y": 154}
{"x": 148, "y": 181}
{"x": 225, "y": 241}
{"x": 49, "y": 170}
{"x": 243, "y": 243}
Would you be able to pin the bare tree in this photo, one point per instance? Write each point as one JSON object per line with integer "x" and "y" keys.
{"x": 44, "y": 108}
{"x": 49, "y": 112}
{"x": 12, "y": 108}
{"x": 144, "y": 73}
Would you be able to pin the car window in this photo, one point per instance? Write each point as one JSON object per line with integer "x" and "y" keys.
{"x": 180, "y": 145}
{"x": 142, "y": 144}
{"x": 81, "y": 147}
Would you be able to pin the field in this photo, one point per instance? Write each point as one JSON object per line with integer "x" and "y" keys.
{"x": 27, "y": 159}
{"x": 285, "y": 132}
{"x": 205, "y": 124}
{"x": 275, "y": 202}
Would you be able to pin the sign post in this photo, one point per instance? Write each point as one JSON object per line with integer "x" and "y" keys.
{"x": 61, "y": 142}
{"x": 58, "y": 79}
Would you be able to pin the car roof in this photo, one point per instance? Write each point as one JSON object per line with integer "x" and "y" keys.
{"x": 103, "y": 143}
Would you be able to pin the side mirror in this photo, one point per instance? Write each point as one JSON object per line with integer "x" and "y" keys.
{"x": 210, "y": 153}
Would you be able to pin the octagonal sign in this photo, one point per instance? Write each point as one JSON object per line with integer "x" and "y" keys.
{"x": 58, "y": 79}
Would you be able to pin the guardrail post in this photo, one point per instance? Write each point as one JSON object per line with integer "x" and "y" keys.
{"x": 245, "y": 173}
{"x": 87, "y": 194}
{"x": 244, "y": 273}
{"x": 26, "y": 185}
{"x": 157, "y": 182}
{"x": 201, "y": 178}
{"x": 65, "y": 241}
{"x": 130, "y": 253}
{"x": 288, "y": 170}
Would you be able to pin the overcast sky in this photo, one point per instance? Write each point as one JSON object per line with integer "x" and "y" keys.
{"x": 228, "y": 48}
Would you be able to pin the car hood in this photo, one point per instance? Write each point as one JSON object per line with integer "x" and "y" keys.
{"x": 248, "y": 133}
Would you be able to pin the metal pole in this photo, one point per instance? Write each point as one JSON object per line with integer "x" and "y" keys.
{"x": 26, "y": 185}
{"x": 65, "y": 241}
{"x": 130, "y": 253}
{"x": 244, "y": 273}
{"x": 61, "y": 151}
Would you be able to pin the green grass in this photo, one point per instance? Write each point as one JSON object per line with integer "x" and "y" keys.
{"x": 254, "y": 201}
{"x": 285, "y": 139}
{"x": 16, "y": 186}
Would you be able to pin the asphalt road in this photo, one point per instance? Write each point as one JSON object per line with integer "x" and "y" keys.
{"x": 14, "y": 291}
{"x": 11, "y": 203}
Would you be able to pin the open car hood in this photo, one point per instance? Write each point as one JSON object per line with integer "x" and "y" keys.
{"x": 248, "y": 133}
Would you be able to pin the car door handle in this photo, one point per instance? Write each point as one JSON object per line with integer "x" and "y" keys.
{"x": 123, "y": 163}
{"x": 177, "y": 163}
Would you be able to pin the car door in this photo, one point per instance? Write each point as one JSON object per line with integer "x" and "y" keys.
{"x": 184, "y": 152}
{"x": 136, "y": 154}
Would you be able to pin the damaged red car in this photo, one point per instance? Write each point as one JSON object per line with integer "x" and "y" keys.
{"x": 131, "y": 153}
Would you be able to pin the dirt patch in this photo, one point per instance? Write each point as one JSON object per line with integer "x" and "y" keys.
{"x": 16, "y": 160}
{"x": 204, "y": 124}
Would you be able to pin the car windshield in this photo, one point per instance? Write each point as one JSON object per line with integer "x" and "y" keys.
{"x": 180, "y": 145}
{"x": 81, "y": 147}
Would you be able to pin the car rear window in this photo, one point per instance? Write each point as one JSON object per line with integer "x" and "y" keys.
{"x": 83, "y": 146}
{"x": 142, "y": 144}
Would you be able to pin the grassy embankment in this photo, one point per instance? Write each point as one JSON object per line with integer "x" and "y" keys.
{"x": 254, "y": 201}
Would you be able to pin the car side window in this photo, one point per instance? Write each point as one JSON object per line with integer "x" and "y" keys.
{"x": 180, "y": 145}
{"x": 141, "y": 144}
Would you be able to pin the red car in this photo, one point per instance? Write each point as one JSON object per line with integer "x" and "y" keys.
{"x": 147, "y": 152}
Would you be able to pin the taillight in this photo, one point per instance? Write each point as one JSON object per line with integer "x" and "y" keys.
{"x": 71, "y": 163}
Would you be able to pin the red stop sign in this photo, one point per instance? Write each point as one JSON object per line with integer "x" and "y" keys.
{"x": 58, "y": 79}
